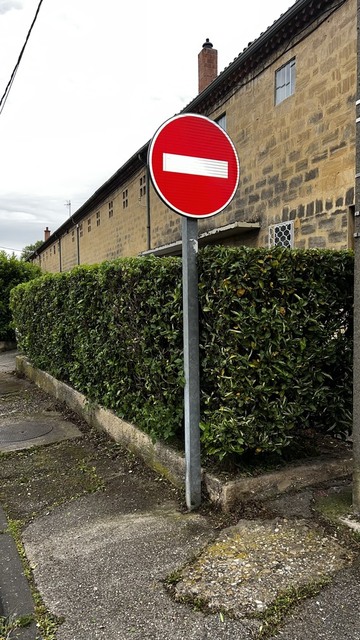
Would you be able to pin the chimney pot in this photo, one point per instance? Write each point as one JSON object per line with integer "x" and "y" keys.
{"x": 207, "y": 44}
{"x": 47, "y": 234}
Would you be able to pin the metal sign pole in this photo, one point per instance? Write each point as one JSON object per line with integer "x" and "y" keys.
{"x": 191, "y": 363}
{"x": 356, "y": 373}
{"x": 356, "y": 347}
{"x": 194, "y": 169}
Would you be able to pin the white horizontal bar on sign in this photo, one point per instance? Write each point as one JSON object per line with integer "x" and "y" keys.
{"x": 175, "y": 163}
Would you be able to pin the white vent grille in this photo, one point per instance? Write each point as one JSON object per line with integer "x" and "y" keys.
{"x": 281, "y": 235}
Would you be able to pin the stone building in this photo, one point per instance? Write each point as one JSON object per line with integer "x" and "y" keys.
{"x": 288, "y": 104}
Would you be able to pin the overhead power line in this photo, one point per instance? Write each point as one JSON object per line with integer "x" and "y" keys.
{"x": 12, "y": 77}
{"x": 10, "y": 249}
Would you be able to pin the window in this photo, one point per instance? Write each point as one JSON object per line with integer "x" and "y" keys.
{"x": 142, "y": 186}
{"x": 73, "y": 236}
{"x": 89, "y": 225}
{"x": 221, "y": 121}
{"x": 281, "y": 235}
{"x": 285, "y": 81}
{"x": 81, "y": 229}
{"x": 111, "y": 210}
{"x": 125, "y": 199}
{"x": 98, "y": 218}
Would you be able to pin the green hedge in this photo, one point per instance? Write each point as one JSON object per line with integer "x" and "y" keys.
{"x": 114, "y": 332}
{"x": 275, "y": 342}
{"x": 12, "y": 272}
{"x": 276, "y": 346}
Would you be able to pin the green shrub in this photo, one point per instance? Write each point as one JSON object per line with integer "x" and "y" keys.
{"x": 12, "y": 272}
{"x": 275, "y": 342}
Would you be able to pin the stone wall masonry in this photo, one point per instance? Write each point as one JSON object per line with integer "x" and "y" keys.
{"x": 299, "y": 156}
{"x": 69, "y": 250}
{"x": 50, "y": 258}
{"x": 117, "y": 227}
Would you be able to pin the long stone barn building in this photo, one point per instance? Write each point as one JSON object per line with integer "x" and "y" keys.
{"x": 288, "y": 102}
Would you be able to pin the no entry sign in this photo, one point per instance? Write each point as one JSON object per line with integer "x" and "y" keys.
{"x": 193, "y": 166}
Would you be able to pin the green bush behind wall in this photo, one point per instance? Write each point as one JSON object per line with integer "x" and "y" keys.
{"x": 275, "y": 342}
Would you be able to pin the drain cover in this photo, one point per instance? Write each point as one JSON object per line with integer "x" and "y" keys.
{"x": 23, "y": 431}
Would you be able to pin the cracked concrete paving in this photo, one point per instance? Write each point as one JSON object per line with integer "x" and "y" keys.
{"x": 102, "y": 566}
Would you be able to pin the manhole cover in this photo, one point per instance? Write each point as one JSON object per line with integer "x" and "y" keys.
{"x": 23, "y": 431}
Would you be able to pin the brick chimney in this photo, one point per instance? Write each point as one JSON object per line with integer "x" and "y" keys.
{"x": 207, "y": 65}
{"x": 47, "y": 234}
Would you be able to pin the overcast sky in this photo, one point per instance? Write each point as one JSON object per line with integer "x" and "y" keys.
{"x": 96, "y": 81}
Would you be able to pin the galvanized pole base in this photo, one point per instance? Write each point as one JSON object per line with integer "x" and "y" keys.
{"x": 191, "y": 363}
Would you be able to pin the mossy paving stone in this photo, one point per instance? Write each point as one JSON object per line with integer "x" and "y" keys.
{"x": 241, "y": 572}
{"x": 39, "y": 478}
{"x": 36, "y": 480}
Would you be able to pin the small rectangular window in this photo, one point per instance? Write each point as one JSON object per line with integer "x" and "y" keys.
{"x": 111, "y": 210}
{"x": 142, "y": 186}
{"x": 98, "y": 218}
{"x": 125, "y": 199}
{"x": 285, "y": 81}
{"x": 282, "y": 235}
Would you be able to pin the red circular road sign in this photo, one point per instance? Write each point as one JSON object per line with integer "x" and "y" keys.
{"x": 193, "y": 166}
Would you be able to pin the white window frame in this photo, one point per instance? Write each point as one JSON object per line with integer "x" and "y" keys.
{"x": 285, "y": 81}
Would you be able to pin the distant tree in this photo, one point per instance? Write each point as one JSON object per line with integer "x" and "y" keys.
{"x": 29, "y": 249}
{"x": 12, "y": 273}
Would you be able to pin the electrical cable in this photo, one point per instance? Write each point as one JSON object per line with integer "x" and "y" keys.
{"x": 12, "y": 77}
{"x": 10, "y": 249}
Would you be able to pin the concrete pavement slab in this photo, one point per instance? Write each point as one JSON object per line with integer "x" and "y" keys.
{"x": 7, "y": 361}
{"x": 332, "y": 615}
{"x": 11, "y": 385}
{"x": 102, "y": 566}
{"x": 256, "y": 557}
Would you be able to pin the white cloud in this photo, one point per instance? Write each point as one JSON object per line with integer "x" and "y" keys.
{"x": 8, "y": 5}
